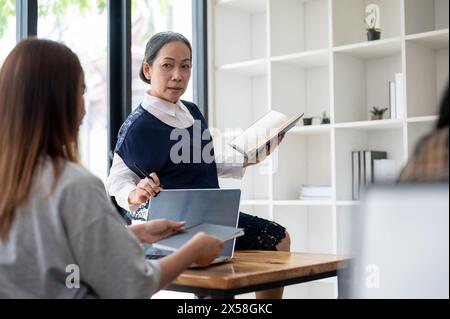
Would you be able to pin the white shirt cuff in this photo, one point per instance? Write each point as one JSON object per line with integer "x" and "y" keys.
{"x": 122, "y": 198}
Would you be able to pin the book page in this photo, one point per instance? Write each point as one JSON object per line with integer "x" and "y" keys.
{"x": 260, "y": 132}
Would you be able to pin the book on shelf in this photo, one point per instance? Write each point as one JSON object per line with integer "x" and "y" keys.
{"x": 369, "y": 158}
{"x": 392, "y": 100}
{"x": 396, "y": 102}
{"x": 356, "y": 175}
{"x": 263, "y": 132}
{"x": 176, "y": 241}
{"x": 364, "y": 171}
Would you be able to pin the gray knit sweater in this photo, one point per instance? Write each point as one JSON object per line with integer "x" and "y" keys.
{"x": 73, "y": 244}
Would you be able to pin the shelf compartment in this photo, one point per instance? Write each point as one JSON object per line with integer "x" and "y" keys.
{"x": 419, "y": 119}
{"x": 348, "y": 20}
{"x": 346, "y": 220}
{"x": 352, "y": 139}
{"x": 348, "y": 203}
{"x": 298, "y": 87}
{"x": 301, "y": 160}
{"x": 306, "y": 203}
{"x": 240, "y": 100}
{"x": 254, "y": 184}
{"x": 305, "y": 59}
{"x": 311, "y": 130}
{"x": 434, "y": 39}
{"x": 310, "y": 228}
{"x": 256, "y": 203}
{"x": 372, "y": 125}
{"x": 427, "y": 56}
{"x": 256, "y": 210}
{"x": 250, "y": 6}
{"x": 422, "y": 16}
{"x": 240, "y": 31}
{"x": 304, "y": 26}
{"x": 372, "y": 50}
{"x": 362, "y": 81}
{"x": 247, "y": 68}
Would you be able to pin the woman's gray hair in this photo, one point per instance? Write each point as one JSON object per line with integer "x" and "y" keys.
{"x": 156, "y": 43}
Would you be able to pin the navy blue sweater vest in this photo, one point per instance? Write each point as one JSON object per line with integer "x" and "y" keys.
{"x": 146, "y": 140}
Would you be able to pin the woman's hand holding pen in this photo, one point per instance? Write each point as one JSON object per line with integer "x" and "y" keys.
{"x": 145, "y": 189}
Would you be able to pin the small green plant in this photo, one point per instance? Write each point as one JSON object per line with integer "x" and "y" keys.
{"x": 325, "y": 119}
{"x": 370, "y": 25}
{"x": 372, "y": 29}
{"x": 377, "y": 113}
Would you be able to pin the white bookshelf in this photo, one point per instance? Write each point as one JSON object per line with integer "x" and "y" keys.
{"x": 311, "y": 56}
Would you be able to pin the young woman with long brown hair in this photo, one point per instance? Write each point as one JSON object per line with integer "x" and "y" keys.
{"x": 56, "y": 221}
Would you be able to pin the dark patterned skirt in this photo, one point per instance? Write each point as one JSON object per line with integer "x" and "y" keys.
{"x": 260, "y": 234}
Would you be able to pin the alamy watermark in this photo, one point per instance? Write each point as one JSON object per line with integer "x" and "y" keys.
{"x": 213, "y": 144}
{"x": 73, "y": 277}
{"x": 373, "y": 276}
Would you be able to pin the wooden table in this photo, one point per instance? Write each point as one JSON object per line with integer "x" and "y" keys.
{"x": 258, "y": 270}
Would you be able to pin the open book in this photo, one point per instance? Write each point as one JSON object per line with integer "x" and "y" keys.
{"x": 263, "y": 132}
{"x": 175, "y": 242}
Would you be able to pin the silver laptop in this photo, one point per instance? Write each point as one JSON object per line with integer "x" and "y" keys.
{"x": 401, "y": 244}
{"x": 197, "y": 206}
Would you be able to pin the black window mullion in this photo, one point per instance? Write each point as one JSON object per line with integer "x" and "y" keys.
{"x": 119, "y": 74}
{"x": 26, "y": 19}
{"x": 119, "y": 68}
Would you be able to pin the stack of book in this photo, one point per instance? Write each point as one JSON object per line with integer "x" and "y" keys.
{"x": 316, "y": 193}
{"x": 370, "y": 167}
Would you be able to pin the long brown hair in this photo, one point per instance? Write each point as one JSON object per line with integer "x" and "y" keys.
{"x": 39, "y": 100}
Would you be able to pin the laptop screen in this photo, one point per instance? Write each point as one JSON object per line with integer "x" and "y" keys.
{"x": 211, "y": 206}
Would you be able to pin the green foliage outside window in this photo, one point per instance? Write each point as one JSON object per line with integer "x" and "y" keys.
{"x": 61, "y": 7}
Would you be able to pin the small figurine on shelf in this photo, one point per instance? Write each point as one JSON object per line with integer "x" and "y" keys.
{"x": 377, "y": 114}
{"x": 373, "y": 22}
{"x": 325, "y": 119}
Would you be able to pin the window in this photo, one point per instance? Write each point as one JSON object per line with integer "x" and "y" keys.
{"x": 7, "y": 28}
{"x": 82, "y": 26}
{"x": 150, "y": 17}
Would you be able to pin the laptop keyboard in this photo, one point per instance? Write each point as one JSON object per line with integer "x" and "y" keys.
{"x": 154, "y": 257}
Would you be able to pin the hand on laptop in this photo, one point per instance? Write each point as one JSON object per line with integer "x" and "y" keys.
{"x": 146, "y": 189}
{"x": 200, "y": 250}
{"x": 208, "y": 248}
{"x": 154, "y": 230}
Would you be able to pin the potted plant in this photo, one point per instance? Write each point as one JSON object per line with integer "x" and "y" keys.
{"x": 373, "y": 34}
{"x": 307, "y": 121}
{"x": 377, "y": 113}
{"x": 372, "y": 21}
{"x": 325, "y": 119}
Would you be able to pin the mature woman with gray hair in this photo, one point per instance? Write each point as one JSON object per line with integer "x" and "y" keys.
{"x": 146, "y": 141}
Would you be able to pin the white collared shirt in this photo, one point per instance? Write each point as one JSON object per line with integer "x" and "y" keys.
{"x": 122, "y": 181}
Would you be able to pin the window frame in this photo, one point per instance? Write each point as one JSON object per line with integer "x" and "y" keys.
{"x": 26, "y": 19}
